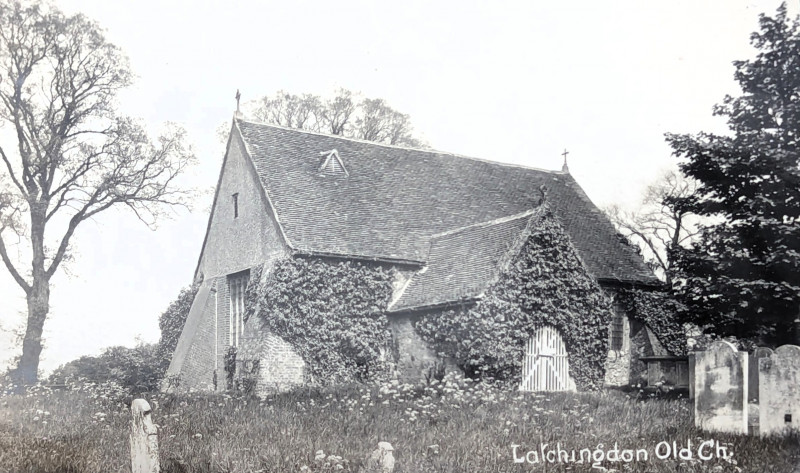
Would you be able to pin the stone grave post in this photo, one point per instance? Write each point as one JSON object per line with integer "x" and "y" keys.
{"x": 720, "y": 389}
{"x": 144, "y": 439}
{"x": 779, "y": 391}
{"x": 753, "y": 375}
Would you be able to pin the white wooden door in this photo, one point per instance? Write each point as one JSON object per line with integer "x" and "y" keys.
{"x": 545, "y": 366}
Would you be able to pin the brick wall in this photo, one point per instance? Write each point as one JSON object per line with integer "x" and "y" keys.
{"x": 223, "y": 332}
{"x": 279, "y": 366}
{"x": 193, "y": 362}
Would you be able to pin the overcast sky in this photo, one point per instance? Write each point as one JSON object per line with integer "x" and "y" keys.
{"x": 515, "y": 82}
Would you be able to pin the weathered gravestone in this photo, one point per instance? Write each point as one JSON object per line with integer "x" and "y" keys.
{"x": 720, "y": 389}
{"x": 752, "y": 377}
{"x": 144, "y": 439}
{"x": 380, "y": 460}
{"x": 779, "y": 391}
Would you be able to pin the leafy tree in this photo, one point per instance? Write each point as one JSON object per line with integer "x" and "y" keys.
{"x": 661, "y": 224}
{"x": 171, "y": 323}
{"x": 344, "y": 114}
{"x": 743, "y": 275}
{"x": 67, "y": 154}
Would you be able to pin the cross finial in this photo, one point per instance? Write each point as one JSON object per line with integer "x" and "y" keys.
{"x": 564, "y": 167}
{"x": 238, "y": 96}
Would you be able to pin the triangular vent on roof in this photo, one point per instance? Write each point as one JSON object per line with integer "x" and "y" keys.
{"x": 332, "y": 164}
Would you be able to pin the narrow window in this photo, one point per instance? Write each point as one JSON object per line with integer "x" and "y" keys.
{"x": 235, "y": 205}
{"x": 617, "y": 328}
{"x": 237, "y": 283}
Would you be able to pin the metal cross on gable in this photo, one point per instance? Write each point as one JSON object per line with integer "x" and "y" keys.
{"x": 564, "y": 167}
{"x": 238, "y": 96}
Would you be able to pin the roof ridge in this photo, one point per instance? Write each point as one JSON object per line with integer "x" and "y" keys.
{"x": 421, "y": 150}
{"x": 489, "y": 223}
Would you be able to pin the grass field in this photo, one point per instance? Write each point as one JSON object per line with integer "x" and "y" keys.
{"x": 453, "y": 426}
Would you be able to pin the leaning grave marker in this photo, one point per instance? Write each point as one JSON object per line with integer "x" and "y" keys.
{"x": 720, "y": 389}
{"x": 779, "y": 391}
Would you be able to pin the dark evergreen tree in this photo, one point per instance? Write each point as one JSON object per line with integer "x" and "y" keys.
{"x": 743, "y": 277}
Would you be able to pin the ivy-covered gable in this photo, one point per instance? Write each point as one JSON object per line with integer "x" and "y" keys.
{"x": 545, "y": 284}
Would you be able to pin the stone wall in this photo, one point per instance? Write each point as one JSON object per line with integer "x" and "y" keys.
{"x": 414, "y": 357}
{"x": 618, "y": 362}
{"x": 623, "y": 366}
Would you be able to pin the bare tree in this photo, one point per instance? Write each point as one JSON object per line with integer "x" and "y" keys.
{"x": 380, "y": 122}
{"x": 303, "y": 112}
{"x": 367, "y": 119}
{"x": 660, "y": 223}
{"x": 338, "y": 112}
{"x": 72, "y": 156}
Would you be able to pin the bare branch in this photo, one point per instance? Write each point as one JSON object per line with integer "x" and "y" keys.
{"x": 10, "y": 266}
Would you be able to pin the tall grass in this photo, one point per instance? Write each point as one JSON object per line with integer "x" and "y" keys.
{"x": 451, "y": 426}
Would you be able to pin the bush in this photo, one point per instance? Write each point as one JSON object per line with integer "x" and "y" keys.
{"x": 134, "y": 369}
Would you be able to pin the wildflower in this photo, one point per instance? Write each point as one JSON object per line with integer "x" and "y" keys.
{"x": 198, "y": 436}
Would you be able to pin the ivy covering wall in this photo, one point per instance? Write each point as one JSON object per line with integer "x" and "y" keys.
{"x": 332, "y": 312}
{"x": 546, "y": 284}
{"x": 658, "y": 310}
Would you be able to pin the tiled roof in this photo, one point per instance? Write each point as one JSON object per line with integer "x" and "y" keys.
{"x": 463, "y": 263}
{"x": 393, "y": 200}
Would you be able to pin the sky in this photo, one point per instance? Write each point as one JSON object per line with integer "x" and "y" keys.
{"x": 515, "y": 81}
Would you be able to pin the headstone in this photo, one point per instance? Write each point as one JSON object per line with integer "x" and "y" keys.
{"x": 720, "y": 388}
{"x": 752, "y": 377}
{"x": 779, "y": 391}
{"x": 144, "y": 439}
{"x": 381, "y": 460}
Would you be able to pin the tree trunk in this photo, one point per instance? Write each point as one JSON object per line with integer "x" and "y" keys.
{"x": 38, "y": 299}
{"x": 38, "y": 307}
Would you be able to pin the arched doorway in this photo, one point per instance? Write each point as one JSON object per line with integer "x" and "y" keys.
{"x": 545, "y": 366}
